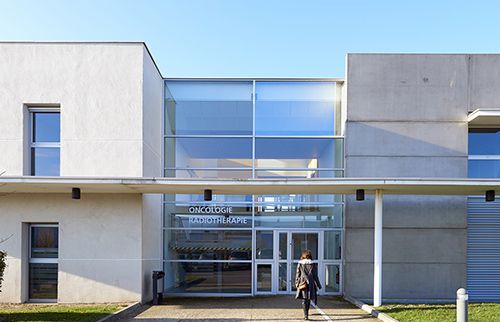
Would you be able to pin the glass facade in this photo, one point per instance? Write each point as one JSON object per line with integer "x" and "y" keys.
{"x": 249, "y": 244}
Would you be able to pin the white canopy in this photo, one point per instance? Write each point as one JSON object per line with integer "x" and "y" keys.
{"x": 395, "y": 186}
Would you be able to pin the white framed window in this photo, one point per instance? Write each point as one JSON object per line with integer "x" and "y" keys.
{"x": 45, "y": 141}
{"x": 43, "y": 261}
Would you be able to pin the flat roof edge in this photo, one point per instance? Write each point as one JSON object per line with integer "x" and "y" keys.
{"x": 311, "y": 79}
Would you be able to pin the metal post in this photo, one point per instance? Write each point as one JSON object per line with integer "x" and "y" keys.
{"x": 377, "y": 253}
{"x": 462, "y": 302}
{"x": 155, "y": 288}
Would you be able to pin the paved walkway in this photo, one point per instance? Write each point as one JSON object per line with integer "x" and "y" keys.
{"x": 272, "y": 308}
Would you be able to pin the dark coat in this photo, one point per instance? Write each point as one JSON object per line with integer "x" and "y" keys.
{"x": 307, "y": 271}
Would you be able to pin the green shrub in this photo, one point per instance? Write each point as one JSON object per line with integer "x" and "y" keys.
{"x": 3, "y": 256}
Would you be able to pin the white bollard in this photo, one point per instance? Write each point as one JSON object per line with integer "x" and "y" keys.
{"x": 462, "y": 301}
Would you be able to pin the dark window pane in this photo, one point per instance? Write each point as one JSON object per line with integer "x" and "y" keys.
{"x": 45, "y": 161}
{"x": 264, "y": 245}
{"x": 332, "y": 278}
{"x": 225, "y": 277}
{"x": 295, "y": 108}
{"x": 264, "y": 277}
{"x": 484, "y": 169}
{"x": 46, "y": 127}
{"x": 298, "y": 153}
{"x": 208, "y": 244}
{"x": 208, "y": 153}
{"x": 44, "y": 242}
{"x": 303, "y": 241}
{"x": 332, "y": 244}
{"x": 43, "y": 281}
{"x": 207, "y": 108}
{"x": 484, "y": 142}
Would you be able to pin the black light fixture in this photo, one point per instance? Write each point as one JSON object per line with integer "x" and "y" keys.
{"x": 490, "y": 195}
{"x": 360, "y": 194}
{"x": 75, "y": 193}
{"x": 207, "y": 195}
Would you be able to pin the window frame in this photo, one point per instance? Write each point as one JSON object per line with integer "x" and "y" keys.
{"x": 34, "y": 145}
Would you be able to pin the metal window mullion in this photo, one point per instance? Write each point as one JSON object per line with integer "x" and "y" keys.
{"x": 254, "y": 94}
{"x": 44, "y": 260}
{"x": 209, "y": 228}
{"x": 207, "y": 261}
{"x": 207, "y": 136}
{"x": 207, "y": 169}
{"x": 44, "y": 109}
{"x": 302, "y": 169}
{"x": 484, "y": 157}
{"x": 338, "y": 137}
{"x": 45, "y": 145}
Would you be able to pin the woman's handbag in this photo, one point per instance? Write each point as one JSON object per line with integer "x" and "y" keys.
{"x": 302, "y": 285}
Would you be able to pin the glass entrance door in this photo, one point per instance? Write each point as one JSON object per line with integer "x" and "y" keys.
{"x": 278, "y": 253}
{"x": 289, "y": 246}
{"x": 300, "y": 241}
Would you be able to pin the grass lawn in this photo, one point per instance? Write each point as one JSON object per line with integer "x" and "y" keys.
{"x": 56, "y": 312}
{"x": 478, "y": 312}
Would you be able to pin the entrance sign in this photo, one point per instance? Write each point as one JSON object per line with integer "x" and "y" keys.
{"x": 210, "y": 210}
{"x": 214, "y": 220}
{"x": 217, "y": 220}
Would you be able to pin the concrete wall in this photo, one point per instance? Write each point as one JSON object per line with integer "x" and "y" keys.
{"x": 99, "y": 90}
{"x": 111, "y": 99}
{"x": 100, "y": 251}
{"x": 406, "y": 117}
{"x": 152, "y": 120}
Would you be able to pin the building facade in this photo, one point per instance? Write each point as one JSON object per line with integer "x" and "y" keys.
{"x": 103, "y": 110}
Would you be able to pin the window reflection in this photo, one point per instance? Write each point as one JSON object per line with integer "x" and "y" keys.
{"x": 298, "y": 216}
{"x": 45, "y": 161}
{"x": 209, "y": 108}
{"x": 189, "y": 277}
{"x": 208, "y": 245}
{"x": 484, "y": 168}
{"x": 295, "y": 108}
{"x": 200, "y": 153}
{"x": 310, "y": 153}
{"x": 484, "y": 142}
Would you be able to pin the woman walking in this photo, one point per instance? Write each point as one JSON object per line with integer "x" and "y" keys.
{"x": 307, "y": 282}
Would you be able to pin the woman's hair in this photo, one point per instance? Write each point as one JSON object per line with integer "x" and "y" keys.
{"x": 306, "y": 254}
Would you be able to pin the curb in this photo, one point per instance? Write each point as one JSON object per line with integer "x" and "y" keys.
{"x": 122, "y": 313}
{"x": 370, "y": 310}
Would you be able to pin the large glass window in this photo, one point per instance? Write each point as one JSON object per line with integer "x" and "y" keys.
{"x": 209, "y": 152}
{"x": 230, "y": 245}
{"x": 209, "y": 108}
{"x": 245, "y": 129}
{"x": 250, "y": 129}
{"x": 43, "y": 267}
{"x": 45, "y": 141}
{"x": 202, "y": 277}
{"x": 295, "y": 108}
{"x": 298, "y": 216}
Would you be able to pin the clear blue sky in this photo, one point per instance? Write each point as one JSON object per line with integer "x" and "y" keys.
{"x": 260, "y": 37}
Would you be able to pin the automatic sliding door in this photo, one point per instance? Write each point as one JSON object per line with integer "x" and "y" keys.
{"x": 301, "y": 241}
